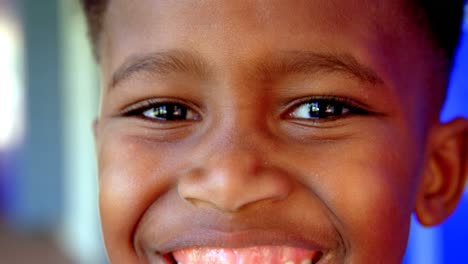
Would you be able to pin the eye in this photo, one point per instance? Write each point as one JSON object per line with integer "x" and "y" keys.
{"x": 162, "y": 111}
{"x": 170, "y": 112}
{"x": 325, "y": 109}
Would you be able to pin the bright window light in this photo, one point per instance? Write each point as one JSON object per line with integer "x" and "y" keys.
{"x": 11, "y": 90}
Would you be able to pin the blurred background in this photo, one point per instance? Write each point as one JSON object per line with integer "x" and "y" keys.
{"x": 49, "y": 91}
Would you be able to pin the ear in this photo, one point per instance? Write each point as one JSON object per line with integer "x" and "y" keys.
{"x": 445, "y": 172}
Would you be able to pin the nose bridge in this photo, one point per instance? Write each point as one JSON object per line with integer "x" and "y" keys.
{"x": 241, "y": 122}
{"x": 239, "y": 144}
{"x": 237, "y": 159}
{"x": 235, "y": 170}
{"x": 242, "y": 108}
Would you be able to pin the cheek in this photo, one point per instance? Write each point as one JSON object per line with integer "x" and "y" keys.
{"x": 132, "y": 177}
{"x": 375, "y": 193}
{"x": 376, "y": 216}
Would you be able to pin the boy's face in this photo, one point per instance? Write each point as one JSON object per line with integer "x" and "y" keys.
{"x": 234, "y": 124}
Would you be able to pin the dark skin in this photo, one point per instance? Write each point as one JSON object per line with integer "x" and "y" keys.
{"x": 310, "y": 130}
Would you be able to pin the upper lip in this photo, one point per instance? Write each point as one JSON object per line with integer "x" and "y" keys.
{"x": 237, "y": 239}
{"x": 161, "y": 233}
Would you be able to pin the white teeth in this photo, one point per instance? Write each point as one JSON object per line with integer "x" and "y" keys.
{"x": 305, "y": 261}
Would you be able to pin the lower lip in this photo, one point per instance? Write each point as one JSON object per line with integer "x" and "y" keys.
{"x": 251, "y": 255}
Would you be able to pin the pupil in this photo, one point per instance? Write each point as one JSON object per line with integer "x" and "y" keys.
{"x": 324, "y": 109}
{"x": 171, "y": 112}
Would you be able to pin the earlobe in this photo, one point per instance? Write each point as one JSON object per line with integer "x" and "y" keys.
{"x": 445, "y": 172}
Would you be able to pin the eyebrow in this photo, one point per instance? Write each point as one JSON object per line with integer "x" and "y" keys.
{"x": 304, "y": 62}
{"x": 161, "y": 63}
{"x": 280, "y": 64}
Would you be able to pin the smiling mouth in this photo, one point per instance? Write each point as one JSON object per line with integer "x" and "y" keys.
{"x": 250, "y": 246}
{"x": 250, "y": 255}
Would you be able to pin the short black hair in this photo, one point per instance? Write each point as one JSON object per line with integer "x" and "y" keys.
{"x": 94, "y": 11}
{"x": 442, "y": 18}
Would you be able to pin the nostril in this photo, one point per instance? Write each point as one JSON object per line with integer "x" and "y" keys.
{"x": 168, "y": 259}
{"x": 316, "y": 258}
{"x": 228, "y": 189}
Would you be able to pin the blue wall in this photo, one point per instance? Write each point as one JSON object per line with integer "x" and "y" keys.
{"x": 455, "y": 230}
{"x": 448, "y": 242}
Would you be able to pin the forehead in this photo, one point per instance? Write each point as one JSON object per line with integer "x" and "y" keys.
{"x": 379, "y": 34}
{"x": 230, "y": 18}
{"x": 256, "y": 12}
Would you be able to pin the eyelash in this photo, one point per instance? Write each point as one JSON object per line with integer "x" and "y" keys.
{"x": 318, "y": 109}
{"x": 325, "y": 108}
{"x": 170, "y": 110}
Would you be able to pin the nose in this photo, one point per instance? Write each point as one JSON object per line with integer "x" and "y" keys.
{"x": 234, "y": 177}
